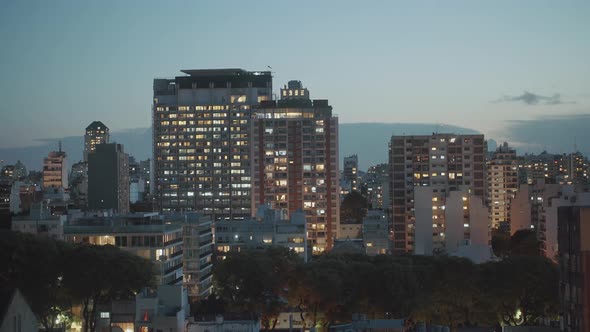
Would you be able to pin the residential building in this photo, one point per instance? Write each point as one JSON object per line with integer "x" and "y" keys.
{"x": 295, "y": 161}
{"x": 536, "y": 207}
{"x": 574, "y": 268}
{"x": 201, "y": 143}
{"x": 439, "y": 162}
{"x": 502, "y": 184}
{"x": 270, "y": 228}
{"x": 351, "y": 166}
{"x": 79, "y": 184}
{"x": 376, "y": 237}
{"x": 146, "y": 235}
{"x": 465, "y": 221}
{"x": 41, "y": 222}
{"x": 164, "y": 309}
{"x": 376, "y": 183}
{"x": 55, "y": 170}
{"x": 197, "y": 253}
{"x": 108, "y": 178}
{"x": 96, "y": 133}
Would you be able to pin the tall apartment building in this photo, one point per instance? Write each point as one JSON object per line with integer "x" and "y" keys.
{"x": 55, "y": 170}
{"x": 201, "y": 143}
{"x": 108, "y": 178}
{"x": 502, "y": 184}
{"x": 295, "y": 161}
{"x": 443, "y": 162}
{"x": 96, "y": 133}
{"x": 351, "y": 166}
{"x": 574, "y": 268}
{"x": 377, "y": 185}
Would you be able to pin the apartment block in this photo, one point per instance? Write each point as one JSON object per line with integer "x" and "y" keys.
{"x": 502, "y": 185}
{"x": 96, "y": 133}
{"x": 270, "y": 228}
{"x": 108, "y": 178}
{"x": 201, "y": 143}
{"x": 574, "y": 268}
{"x": 351, "y": 166}
{"x": 440, "y": 162}
{"x": 55, "y": 170}
{"x": 295, "y": 161}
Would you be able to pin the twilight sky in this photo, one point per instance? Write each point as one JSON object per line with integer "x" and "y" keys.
{"x": 496, "y": 66}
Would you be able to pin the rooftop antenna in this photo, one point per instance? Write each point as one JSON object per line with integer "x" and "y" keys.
{"x": 575, "y": 145}
{"x": 59, "y": 144}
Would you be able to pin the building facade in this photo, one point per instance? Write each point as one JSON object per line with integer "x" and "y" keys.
{"x": 502, "y": 185}
{"x": 441, "y": 162}
{"x": 108, "y": 178}
{"x": 145, "y": 235}
{"x": 574, "y": 268}
{"x": 269, "y": 228}
{"x": 96, "y": 133}
{"x": 351, "y": 166}
{"x": 55, "y": 170}
{"x": 201, "y": 143}
{"x": 295, "y": 161}
{"x": 197, "y": 234}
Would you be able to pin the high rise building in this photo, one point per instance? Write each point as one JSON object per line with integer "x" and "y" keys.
{"x": 351, "y": 166}
{"x": 442, "y": 162}
{"x": 574, "y": 268}
{"x": 108, "y": 178}
{"x": 201, "y": 143}
{"x": 295, "y": 161}
{"x": 55, "y": 170}
{"x": 376, "y": 183}
{"x": 96, "y": 133}
{"x": 502, "y": 184}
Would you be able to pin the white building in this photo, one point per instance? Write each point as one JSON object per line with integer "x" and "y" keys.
{"x": 165, "y": 309}
{"x": 466, "y": 221}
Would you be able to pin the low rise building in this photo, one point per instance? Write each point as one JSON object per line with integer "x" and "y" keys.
{"x": 269, "y": 228}
{"x": 165, "y": 309}
{"x": 144, "y": 234}
{"x": 376, "y": 235}
{"x": 41, "y": 221}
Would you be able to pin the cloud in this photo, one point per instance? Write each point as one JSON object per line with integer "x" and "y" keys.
{"x": 530, "y": 98}
{"x": 555, "y": 134}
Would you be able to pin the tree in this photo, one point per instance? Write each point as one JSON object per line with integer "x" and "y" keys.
{"x": 256, "y": 281}
{"x": 34, "y": 265}
{"x": 525, "y": 243}
{"x": 353, "y": 207}
{"x": 521, "y": 289}
{"x": 98, "y": 274}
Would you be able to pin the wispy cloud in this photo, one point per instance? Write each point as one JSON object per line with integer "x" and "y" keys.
{"x": 530, "y": 98}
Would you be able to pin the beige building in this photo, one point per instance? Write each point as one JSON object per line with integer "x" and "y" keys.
{"x": 295, "y": 161}
{"x": 55, "y": 170}
{"x": 439, "y": 163}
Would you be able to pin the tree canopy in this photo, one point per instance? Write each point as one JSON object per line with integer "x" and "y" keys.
{"x": 53, "y": 275}
{"x": 441, "y": 290}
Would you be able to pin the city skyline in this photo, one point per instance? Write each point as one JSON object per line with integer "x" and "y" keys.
{"x": 485, "y": 67}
